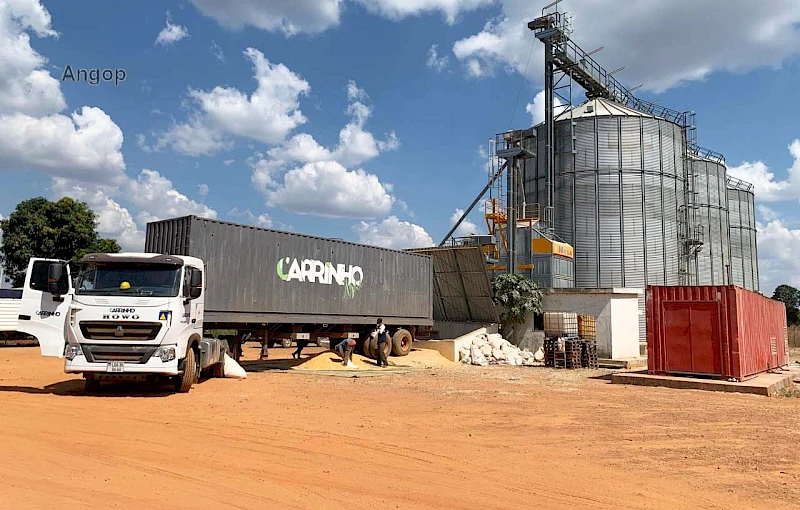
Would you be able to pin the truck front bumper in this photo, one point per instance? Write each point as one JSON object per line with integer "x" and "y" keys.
{"x": 99, "y": 359}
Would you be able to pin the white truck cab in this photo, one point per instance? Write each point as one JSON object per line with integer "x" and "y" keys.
{"x": 122, "y": 316}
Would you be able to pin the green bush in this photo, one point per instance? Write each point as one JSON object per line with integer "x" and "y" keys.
{"x": 517, "y": 295}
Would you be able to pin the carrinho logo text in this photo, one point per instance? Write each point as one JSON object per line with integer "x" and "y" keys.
{"x": 311, "y": 271}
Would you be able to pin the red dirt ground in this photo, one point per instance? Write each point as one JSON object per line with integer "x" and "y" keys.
{"x": 454, "y": 438}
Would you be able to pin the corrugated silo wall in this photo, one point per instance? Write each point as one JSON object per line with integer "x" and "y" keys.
{"x": 712, "y": 212}
{"x": 617, "y": 202}
{"x": 744, "y": 252}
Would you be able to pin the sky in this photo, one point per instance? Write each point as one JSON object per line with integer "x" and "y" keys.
{"x": 365, "y": 120}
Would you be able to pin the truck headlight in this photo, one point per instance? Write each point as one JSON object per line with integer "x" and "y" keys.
{"x": 72, "y": 351}
{"x": 165, "y": 353}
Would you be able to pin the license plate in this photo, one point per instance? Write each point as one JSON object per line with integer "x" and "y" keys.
{"x": 115, "y": 366}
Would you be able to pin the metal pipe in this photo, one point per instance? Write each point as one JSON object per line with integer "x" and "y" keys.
{"x": 511, "y": 203}
{"x": 474, "y": 202}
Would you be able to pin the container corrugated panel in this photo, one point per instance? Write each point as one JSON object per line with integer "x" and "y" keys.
{"x": 718, "y": 331}
{"x": 9, "y": 314}
{"x": 242, "y": 271}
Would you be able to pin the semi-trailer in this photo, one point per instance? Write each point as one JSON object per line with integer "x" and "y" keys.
{"x": 159, "y": 312}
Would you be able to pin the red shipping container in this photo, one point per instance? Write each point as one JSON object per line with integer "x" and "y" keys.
{"x": 725, "y": 332}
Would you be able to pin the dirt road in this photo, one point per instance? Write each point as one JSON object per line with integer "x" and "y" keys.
{"x": 456, "y": 438}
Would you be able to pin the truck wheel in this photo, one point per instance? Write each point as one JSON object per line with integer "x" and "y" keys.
{"x": 401, "y": 342}
{"x": 387, "y": 348}
{"x": 318, "y": 341}
{"x": 368, "y": 347}
{"x": 91, "y": 385}
{"x": 286, "y": 342}
{"x": 184, "y": 383}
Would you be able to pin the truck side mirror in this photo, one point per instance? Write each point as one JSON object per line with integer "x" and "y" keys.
{"x": 54, "y": 274}
{"x": 195, "y": 287}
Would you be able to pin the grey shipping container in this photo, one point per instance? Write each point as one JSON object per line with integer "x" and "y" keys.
{"x": 261, "y": 275}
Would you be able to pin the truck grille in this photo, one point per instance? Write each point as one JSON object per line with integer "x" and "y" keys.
{"x": 129, "y": 353}
{"x": 110, "y": 330}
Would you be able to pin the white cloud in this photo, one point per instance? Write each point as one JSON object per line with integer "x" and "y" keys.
{"x": 26, "y": 87}
{"x": 114, "y": 221}
{"x": 267, "y": 116}
{"x": 649, "y": 38}
{"x": 152, "y": 195}
{"x": 399, "y": 9}
{"x": 765, "y": 185}
{"x": 202, "y": 190}
{"x": 466, "y": 228}
{"x": 319, "y": 180}
{"x": 778, "y": 245}
{"x": 157, "y": 199}
{"x": 292, "y": 17}
{"x": 393, "y": 233}
{"x": 194, "y": 139}
{"x": 536, "y": 109}
{"x": 86, "y": 146}
{"x": 33, "y": 134}
{"x": 216, "y": 50}
{"x": 328, "y": 189}
{"x": 287, "y": 16}
{"x": 356, "y": 145}
{"x": 436, "y": 62}
{"x": 171, "y": 33}
{"x": 262, "y": 220}
{"x": 229, "y": 162}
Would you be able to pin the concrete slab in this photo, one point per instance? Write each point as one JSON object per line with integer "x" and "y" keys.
{"x": 623, "y": 364}
{"x": 766, "y": 384}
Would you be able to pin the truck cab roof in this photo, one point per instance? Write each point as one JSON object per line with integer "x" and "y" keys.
{"x": 148, "y": 258}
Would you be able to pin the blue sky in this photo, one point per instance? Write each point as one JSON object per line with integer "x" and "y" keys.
{"x": 367, "y": 116}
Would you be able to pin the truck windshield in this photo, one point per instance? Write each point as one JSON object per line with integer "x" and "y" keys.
{"x": 129, "y": 280}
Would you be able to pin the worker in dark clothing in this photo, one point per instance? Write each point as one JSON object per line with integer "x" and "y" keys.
{"x": 382, "y": 338}
{"x": 345, "y": 350}
{"x": 301, "y": 344}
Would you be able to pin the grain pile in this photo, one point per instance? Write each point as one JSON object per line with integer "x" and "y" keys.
{"x": 417, "y": 358}
{"x": 493, "y": 349}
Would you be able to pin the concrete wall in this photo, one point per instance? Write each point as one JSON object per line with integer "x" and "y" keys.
{"x": 616, "y": 312}
{"x": 447, "y": 330}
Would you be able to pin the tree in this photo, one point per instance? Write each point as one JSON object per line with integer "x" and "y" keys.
{"x": 518, "y": 296}
{"x": 790, "y": 297}
{"x": 66, "y": 229}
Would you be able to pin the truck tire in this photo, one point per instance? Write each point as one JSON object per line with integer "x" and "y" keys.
{"x": 286, "y": 342}
{"x": 91, "y": 385}
{"x": 368, "y": 347}
{"x": 387, "y": 348}
{"x": 184, "y": 382}
{"x": 401, "y": 342}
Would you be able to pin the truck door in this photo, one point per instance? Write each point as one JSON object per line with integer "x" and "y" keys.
{"x": 42, "y": 314}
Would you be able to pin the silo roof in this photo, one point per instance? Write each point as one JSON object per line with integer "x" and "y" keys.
{"x": 601, "y": 107}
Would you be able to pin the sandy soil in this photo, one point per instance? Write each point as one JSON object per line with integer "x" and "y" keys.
{"x": 448, "y": 438}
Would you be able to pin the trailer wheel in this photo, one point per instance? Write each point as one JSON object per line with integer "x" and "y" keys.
{"x": 368, "y": 345}
{"x": 318, "y": 341}
{"x": 91, "y": 385}
{"x": 286, "y": 342}
{"x": 184, "y": 383}
{"x": 401, "y": 343}
{"x": 387, "y": 348}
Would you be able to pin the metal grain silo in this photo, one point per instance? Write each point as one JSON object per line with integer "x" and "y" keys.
{"x": 711, "y": 201}
{"x": 619, "y": 198}
{"x": 744, "y": 252}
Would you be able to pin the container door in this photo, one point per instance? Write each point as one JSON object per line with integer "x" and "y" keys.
{"x": 692, "y": 332}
